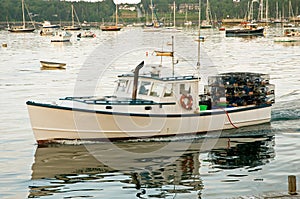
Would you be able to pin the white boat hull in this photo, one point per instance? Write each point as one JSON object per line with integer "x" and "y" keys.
{"x": 287, "y": 39}
{"x": 52, "y": 122}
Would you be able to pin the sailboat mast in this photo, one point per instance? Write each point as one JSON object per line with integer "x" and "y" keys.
{"x": 174, "y": 16}
{"x": 207, "y": 12}
{"x": 116, "y": 14}
{"x": 267, "y": 11}
{"x": 72, "y": 15}
{"x": 186, "y": 8}
{"x": 277, "y": 16}
{"x": 23, "y": 11}
{"x": 152, "y": 13}
{"x": 173, "y": 72}
{"x": 262, "y": 10}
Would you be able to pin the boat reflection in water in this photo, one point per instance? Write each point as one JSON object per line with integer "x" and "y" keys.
{"x": 77, "y": 171}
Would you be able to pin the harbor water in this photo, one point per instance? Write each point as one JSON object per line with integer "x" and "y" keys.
{"x": 240, "y": 162}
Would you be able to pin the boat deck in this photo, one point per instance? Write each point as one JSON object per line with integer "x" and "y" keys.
{"x": 112, "y": 100}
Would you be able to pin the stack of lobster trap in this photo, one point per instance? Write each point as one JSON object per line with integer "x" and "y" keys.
{"x": 240, "y": 89}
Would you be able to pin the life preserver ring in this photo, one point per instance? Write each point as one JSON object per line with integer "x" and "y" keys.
{"x": 186, "y": 101}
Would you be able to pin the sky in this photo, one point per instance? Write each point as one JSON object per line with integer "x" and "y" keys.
{"x": 116, "y": 1}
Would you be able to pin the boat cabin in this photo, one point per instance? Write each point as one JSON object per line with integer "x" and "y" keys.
{"x": 251, "y": 26}
{"x": 180, "y": 91}
{"x": 291, "y": 32}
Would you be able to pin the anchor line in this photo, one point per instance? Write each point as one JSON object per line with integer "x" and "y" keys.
{"x": 229, "y": 119}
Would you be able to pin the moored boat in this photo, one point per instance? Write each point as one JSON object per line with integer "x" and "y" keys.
{"x": 47, "y": 24}
{"x": 73, "y": 27}
{"x": 48, "y": 64}
{"x": 48, "y": 29}
{"x": 151, "y": 105}
{"x": 23, "y": 28}
{"x": 110, "y": 28}
{"x": 115, "y": 27}
{"x": 289, "y": 35}
{"x": 89, "y": 34}
{"x": 248, "y": 29}
{"x": 61, "y": 36}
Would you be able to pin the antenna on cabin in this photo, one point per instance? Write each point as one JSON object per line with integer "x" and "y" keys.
{"x": 173, "y": 72}
{"x": 199, "y": 39}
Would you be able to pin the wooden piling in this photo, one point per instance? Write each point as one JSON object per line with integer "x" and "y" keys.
{"x": 292, "y": 185}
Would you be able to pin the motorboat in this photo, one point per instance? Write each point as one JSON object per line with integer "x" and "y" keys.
{"x": 150, "y": 104}
{"x": 89, "y": 34}
{"x": 48, "y": 29}
{"x": 248, "y": 29}
{"x": 289, "y": 35}
{"x": 61, "y": 36}
{"x": 47, "y": 24}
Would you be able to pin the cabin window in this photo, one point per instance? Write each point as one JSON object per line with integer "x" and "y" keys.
{"x": 122, "y": 85}
{"x": 144, "y": 88}
{"x": 130, "y": 85}
{"x": 168, "y": 90}
{"x": 156, "y": 90}
{"x": 185, "y": 89}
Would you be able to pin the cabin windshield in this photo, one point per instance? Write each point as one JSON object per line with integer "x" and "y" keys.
{"x": 144, "y": 88}
{"x": 290, "y": 30}
{"x": 122, "y": 85}
{"x": 252, "y": 26}
{"x": 168, "y": 90}
{"x": 157, "y": 89}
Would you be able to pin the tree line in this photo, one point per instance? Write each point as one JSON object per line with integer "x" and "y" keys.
{"x": 54, "y": 10}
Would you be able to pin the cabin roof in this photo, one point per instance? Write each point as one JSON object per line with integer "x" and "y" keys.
{"x": 164, "y": 79}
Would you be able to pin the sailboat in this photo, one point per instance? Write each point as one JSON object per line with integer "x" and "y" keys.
{"x": 21, "y": 29}
{"x": 73, "y": 27}
{"x": 207, "y": 22}
{"x": 291, "y": 16}
{"x": 112, "y": 28}
{"x": 154, "y": 22}
{"x": 173, "y": 28}
{"x": 186, "y": 21}
{"x": 278, "y": 18}
{"x": 155, "y": 25}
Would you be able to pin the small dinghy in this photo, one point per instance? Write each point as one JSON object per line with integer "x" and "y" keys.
{"x": 52, "y": 65}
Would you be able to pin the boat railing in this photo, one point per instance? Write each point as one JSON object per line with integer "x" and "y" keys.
{"x": 111, "y": 100}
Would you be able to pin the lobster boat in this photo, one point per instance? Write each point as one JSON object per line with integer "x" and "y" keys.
{"x": 248, "y": 29}
{"x": 149, "y": 104}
